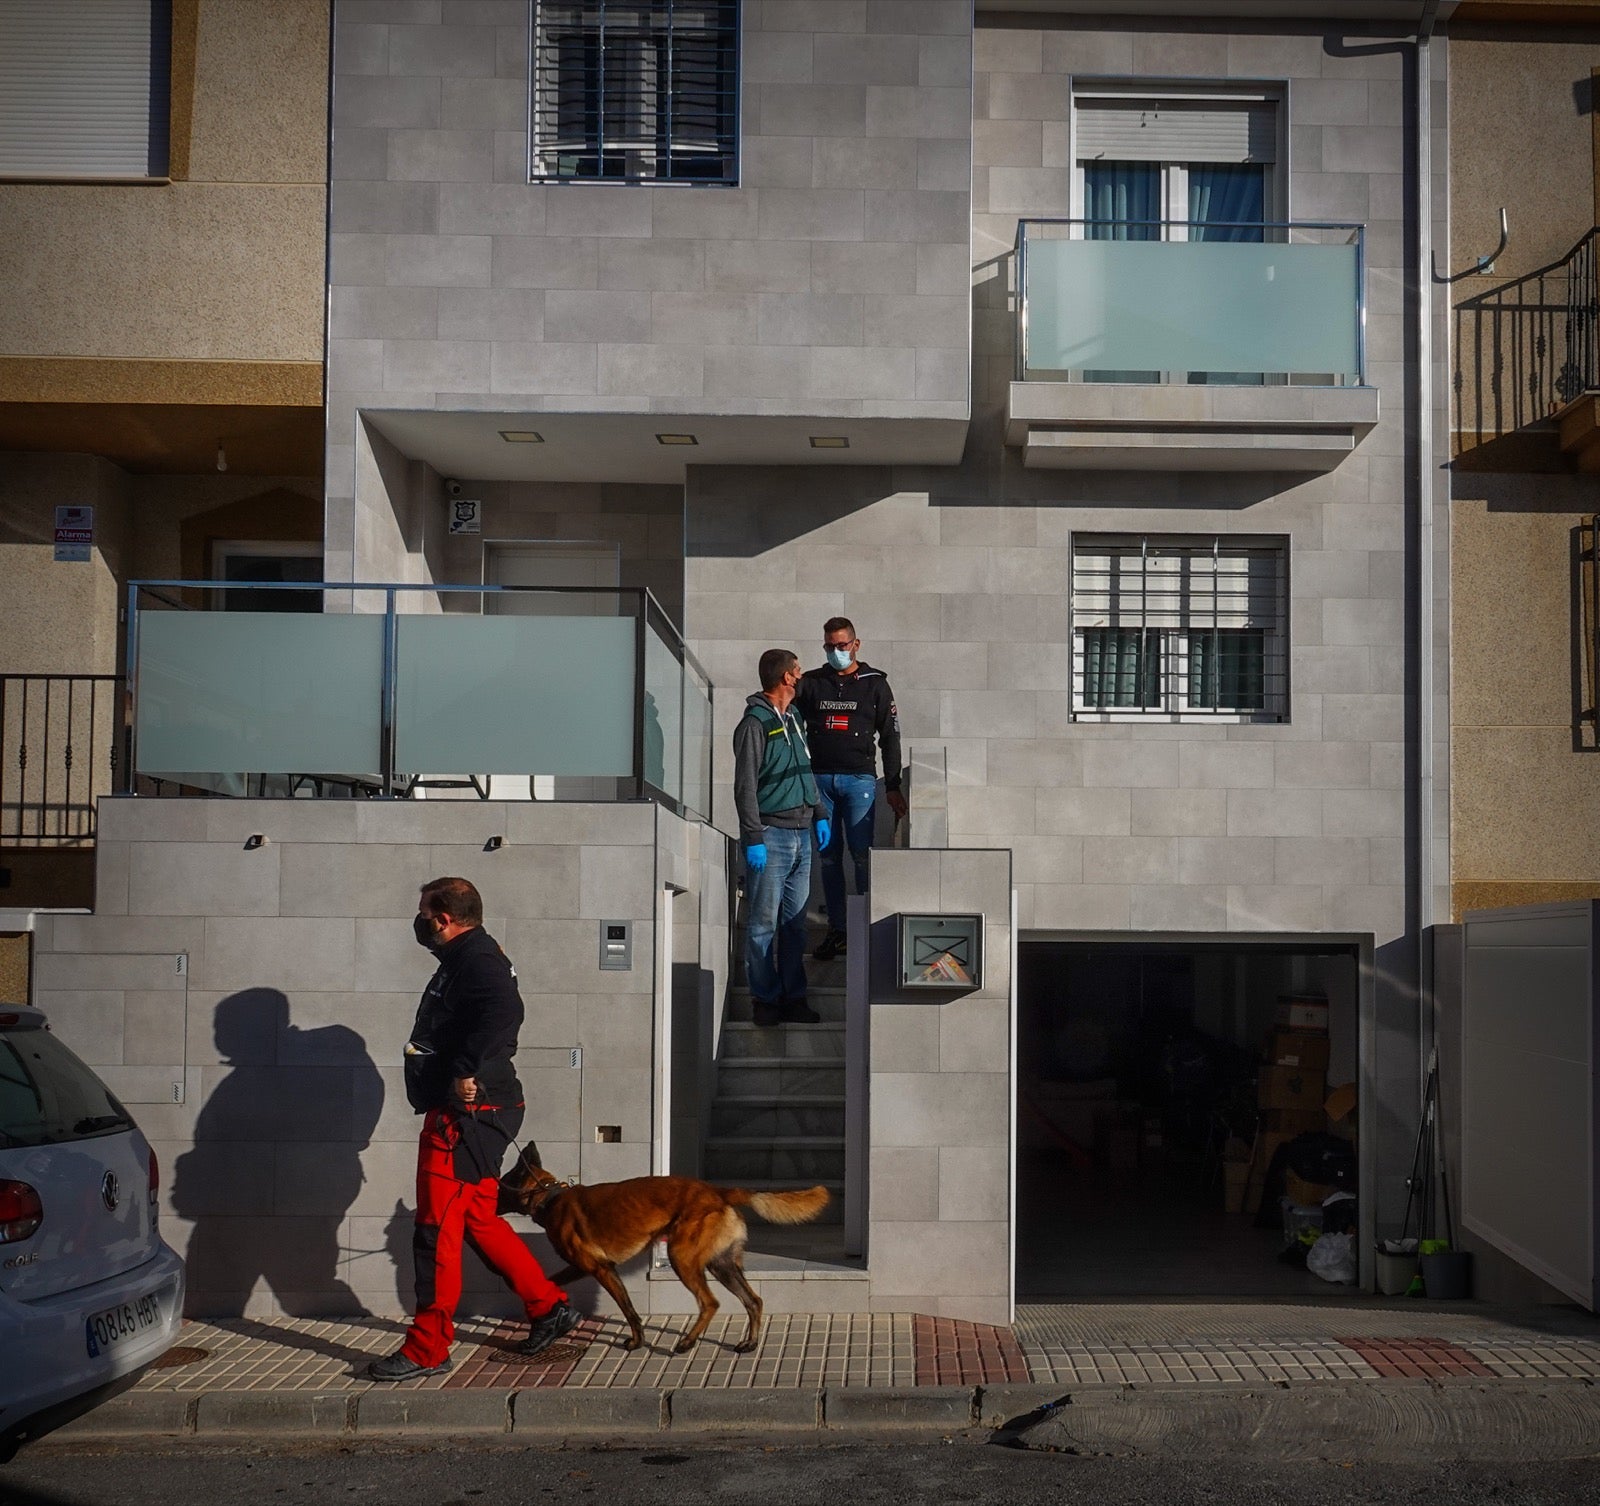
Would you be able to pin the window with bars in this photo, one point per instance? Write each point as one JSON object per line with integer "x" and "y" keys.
{"x": 1180, "y": 628}
{"x": 640, "y": 91}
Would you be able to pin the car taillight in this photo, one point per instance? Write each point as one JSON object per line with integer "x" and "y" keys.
{"x": 155, "y": 1183}
{"x": 21, "y": 1212}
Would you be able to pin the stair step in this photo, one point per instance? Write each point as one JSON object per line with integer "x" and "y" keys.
{"x": 817, "y": 1158}
{"x": 829, "y": 1003}
{"x": 778, "y": 1077}
{"x": 744, "y": 1038}
{"x": 767, "y": 1120}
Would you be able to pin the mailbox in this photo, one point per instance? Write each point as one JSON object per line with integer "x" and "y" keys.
{"x": 941, "y": 951}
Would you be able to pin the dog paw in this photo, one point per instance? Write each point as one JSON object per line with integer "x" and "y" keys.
{"x": 745, "y": 1347}
{"x": 631, "y": 1343}
{"x": 683, "y": 1346}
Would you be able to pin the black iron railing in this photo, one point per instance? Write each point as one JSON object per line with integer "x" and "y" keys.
{"x": 63, "y": 744}
{"x": 1527, "y": 348}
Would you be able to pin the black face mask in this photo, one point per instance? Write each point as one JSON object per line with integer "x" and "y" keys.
{"x": 422, "y": 929}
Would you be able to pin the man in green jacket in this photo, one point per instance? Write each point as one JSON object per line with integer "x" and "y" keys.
{"x": 777, "y": 800}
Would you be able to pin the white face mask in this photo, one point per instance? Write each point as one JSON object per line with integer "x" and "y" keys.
{"x": 839, "y": 658}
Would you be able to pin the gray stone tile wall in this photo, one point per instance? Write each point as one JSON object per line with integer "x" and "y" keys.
{"x": 938, "y": 1234}
{"x": 289, "y": 1166}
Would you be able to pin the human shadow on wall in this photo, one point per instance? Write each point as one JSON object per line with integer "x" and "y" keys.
{"x": 276, "y": 1161}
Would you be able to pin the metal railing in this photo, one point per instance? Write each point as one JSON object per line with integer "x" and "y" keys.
{"x": 1266, "y": 300}
{"x": 596, "y": 687}
{"x": 1527, "y": 348}
{"x": 62, "y": 746}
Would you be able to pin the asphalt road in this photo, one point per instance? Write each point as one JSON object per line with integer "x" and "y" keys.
{"x": 970, "y": 1474}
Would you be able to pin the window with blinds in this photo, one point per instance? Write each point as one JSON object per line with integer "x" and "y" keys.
{"x": 635, "y": 91}
{"x": 84, "y": 88}
{"x": 1180, "y": 628}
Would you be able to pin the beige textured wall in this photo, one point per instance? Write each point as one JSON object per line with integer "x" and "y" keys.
{"x": 60, "y": 618}
{"x": 225, "y": 266}
{"x": 1525, "y": 773}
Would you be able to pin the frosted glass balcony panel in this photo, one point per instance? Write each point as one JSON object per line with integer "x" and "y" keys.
{"x": 515, "y": 695}
{"x": 663, "y": 716}
{"x": 237, "y": 693}
{"x": 1192, "y": 307}
{"x": 697, "y": 734}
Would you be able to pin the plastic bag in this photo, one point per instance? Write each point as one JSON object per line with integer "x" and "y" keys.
{"x": 1333, "y": 1257}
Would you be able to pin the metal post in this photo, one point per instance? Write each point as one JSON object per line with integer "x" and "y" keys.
{"x": 638, "y": 697}
{"x": 1361, "y": 305}
{"x": 130, "y": 703}
{"x": 387, "y": 697}
{"x": 857, "y": 1073}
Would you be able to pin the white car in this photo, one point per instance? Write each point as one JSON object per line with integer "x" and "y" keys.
{"x": 89, "y": 1292}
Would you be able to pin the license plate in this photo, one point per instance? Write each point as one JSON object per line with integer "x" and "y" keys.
{"x": 105, "y": 1330}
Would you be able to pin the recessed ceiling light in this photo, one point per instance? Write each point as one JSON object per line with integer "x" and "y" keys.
{"x": 521, "y": 436}
{"x": 829, "y": 442}
{"x": 676, "y": 439}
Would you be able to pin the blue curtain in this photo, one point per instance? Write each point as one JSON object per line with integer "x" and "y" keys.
{"x": 1122, "y": 201}
{"x": 1228, "y": 201}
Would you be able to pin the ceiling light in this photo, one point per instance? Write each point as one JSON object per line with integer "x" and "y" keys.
{"x": 676, "y": 439}
{"x": 521, "y": 436}
{"x": 829, "y": 442}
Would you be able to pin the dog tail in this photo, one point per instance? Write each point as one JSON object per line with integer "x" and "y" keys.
{"x": 798, "y": 1207}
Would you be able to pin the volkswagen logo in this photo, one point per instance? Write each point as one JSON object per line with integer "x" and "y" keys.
{"x": 109, "y": 1191}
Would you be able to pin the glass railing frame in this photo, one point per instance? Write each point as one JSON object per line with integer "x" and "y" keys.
{"x": 648, "y": 615}
{"x": 1357, "y": 229}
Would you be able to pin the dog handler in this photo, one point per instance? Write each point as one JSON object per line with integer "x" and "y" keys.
{"x": 459, "y": 1076}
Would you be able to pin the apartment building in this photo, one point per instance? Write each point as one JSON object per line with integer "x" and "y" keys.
{"x": 1090, "y": 358}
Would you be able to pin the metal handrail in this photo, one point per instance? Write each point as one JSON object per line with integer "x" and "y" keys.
{"x": 1358, "y": 233}
{"x": 1533, "y": 344}
{"x": 650, "y": 613}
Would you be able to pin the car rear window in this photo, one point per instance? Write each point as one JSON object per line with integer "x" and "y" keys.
{"x": 48, "y": 1096}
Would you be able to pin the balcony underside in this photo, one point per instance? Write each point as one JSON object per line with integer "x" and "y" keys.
{"x": 1147, "y": 427}
{"x": 1579, "y": 427}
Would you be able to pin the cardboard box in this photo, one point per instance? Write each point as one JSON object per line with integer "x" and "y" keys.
{"x": 1301, "y": 1013}
{"x": 1306, "y": 1049}
{"x": 1291, "y": 1088}
{"x": 1292, "y": 1122}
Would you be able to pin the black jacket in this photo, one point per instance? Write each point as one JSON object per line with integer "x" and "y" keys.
{"x": 466, "y": 1026}
{"x": 843, "y": 714}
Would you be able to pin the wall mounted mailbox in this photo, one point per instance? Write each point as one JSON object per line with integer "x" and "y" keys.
{"x": 941, "y": 951}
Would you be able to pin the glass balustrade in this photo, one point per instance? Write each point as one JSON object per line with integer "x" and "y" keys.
{"x": 1286, "y": 307}
{"x": 594, "y": 696}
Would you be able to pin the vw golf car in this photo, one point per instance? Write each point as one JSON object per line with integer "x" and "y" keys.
{"x": 90, "y": 1294}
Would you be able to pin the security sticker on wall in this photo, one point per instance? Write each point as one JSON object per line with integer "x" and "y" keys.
{"x": 464, "y": 516}
{"x": 74, "y": 534}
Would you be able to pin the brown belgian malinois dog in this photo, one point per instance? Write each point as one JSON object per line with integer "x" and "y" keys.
{"x": 595, "y": 1228}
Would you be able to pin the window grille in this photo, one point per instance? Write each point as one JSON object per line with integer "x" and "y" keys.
{"x": 1180, "y": 628}
{"x": 643, "y": 91}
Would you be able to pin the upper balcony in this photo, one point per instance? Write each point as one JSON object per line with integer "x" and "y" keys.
{"x": 1186, "y": 346}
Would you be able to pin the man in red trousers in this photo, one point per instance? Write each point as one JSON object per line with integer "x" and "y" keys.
{"x": 459, "y": 1075}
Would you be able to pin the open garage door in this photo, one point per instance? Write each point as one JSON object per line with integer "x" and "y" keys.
{"x": 1528, "y": 1123}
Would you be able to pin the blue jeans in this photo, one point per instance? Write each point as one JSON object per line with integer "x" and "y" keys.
{"x": 851, "y": 796}
{"x": 775, "y": 919}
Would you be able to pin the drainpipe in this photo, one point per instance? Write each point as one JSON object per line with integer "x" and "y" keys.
{"x": 1425, "y": 540}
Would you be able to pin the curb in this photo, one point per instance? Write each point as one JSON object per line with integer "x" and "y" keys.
{"x": 1458, "y": 1418}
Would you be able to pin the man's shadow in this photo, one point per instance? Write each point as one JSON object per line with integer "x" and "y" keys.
{"x": 276, "y": 1162}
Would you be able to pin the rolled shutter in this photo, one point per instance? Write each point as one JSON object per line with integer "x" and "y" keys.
{"x": 77, "y": 97}
{"x": 1177, "y": 130}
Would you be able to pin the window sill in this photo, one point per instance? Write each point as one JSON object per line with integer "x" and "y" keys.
{"x": 83, "y": 181}
{"x": 1183, "y": 718}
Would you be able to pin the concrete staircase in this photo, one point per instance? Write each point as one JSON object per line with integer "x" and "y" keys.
{"x": 777, "y": 1121}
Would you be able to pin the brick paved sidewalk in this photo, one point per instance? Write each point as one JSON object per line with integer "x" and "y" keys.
{"x": 1072, "y": 1346}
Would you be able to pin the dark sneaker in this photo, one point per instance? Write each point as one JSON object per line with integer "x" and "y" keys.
{"x": 833, "y": 945}
{"x": 396, "y": 1367}
{"x": 766, "y": 1015}
{"x": 797, "y": 1012}
{"x": 543, "y": 1332}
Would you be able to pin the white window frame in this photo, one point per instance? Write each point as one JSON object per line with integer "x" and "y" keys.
{"x": 1174, "y": 639}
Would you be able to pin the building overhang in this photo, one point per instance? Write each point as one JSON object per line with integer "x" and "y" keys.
{"x": 1313, "y": 11}
{"x": 628, "y": 447}
{"x": 1126, "y": 426}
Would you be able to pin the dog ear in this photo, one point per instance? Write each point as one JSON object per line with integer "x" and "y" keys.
{"x": 530, "y": 1156}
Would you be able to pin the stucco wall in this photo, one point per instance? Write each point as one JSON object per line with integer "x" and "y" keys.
{"x": 225, "y": 265}
{"x": 288, "y": 1171}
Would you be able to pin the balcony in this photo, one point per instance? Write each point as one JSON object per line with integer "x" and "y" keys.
{"x": 420, "y": 692}
{"x": 1179, "y": 353}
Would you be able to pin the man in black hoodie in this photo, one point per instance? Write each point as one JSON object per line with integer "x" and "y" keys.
{"x": 459, "y": 1075}
{"x": 847, "y": 704}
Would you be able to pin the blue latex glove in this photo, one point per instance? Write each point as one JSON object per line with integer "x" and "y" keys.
{"x": 824, "y": 831}
{"x": 755, "y": 856}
